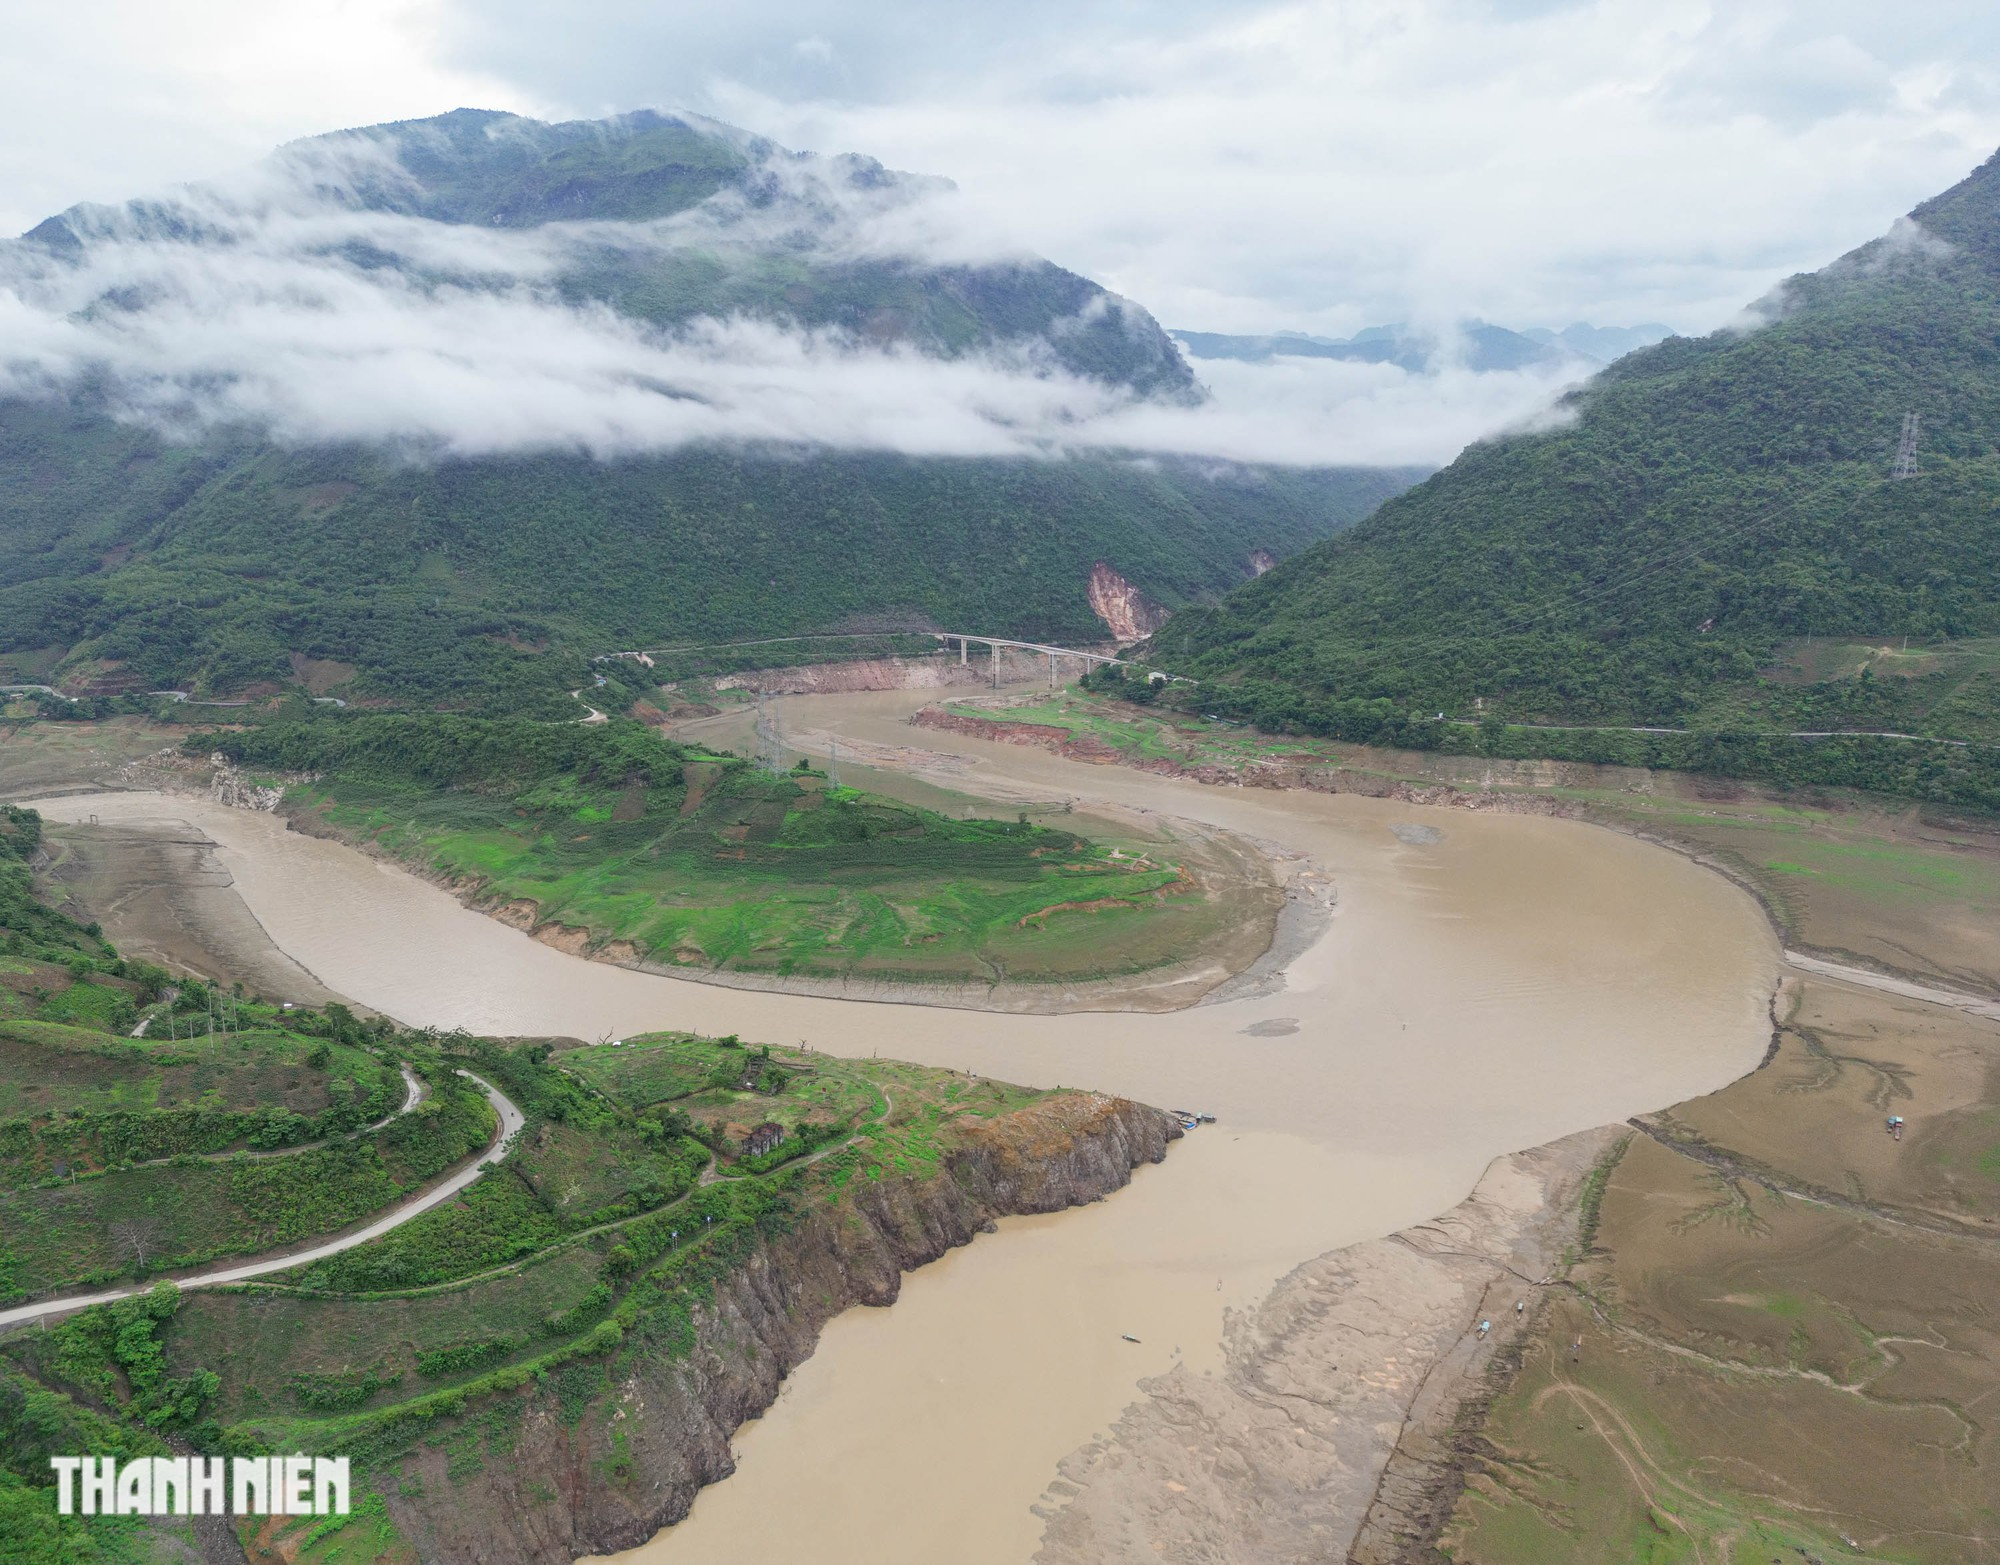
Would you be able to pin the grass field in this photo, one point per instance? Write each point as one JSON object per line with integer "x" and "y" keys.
{"x": 1956, "y": 684}
{"x": 783, "y": 875}
{"x": 286, "y": 1350}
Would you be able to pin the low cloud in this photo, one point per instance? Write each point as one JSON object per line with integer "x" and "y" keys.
{"x": 271, "y": 302}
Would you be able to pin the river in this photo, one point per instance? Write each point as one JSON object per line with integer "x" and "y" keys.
{"x": 1512, "y": 981}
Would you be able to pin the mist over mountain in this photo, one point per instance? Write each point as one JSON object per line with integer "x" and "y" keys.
{"x": 416, "y": 397}
{"x": 480, "y": 281}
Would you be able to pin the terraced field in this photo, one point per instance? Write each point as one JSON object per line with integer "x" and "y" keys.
{"x": 632, "y": 1198}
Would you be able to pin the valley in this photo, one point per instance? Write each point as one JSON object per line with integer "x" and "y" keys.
{"x": 566, "y": 936}
{"x": 1568, "y": 953}
{"x": 1447, "y": 923}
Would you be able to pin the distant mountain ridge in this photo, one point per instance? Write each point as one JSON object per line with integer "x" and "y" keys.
{"x": 1474, "y": 345}
{"x": 670, "y": 218}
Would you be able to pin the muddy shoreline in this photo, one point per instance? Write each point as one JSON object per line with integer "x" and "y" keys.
{"x": 1345, "y": 1073}
{"x": 1331, "y": 1432}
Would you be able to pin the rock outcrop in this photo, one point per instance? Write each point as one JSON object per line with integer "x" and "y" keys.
{"x": 606, "y": 1473}
{"x": 1126, "y": 611}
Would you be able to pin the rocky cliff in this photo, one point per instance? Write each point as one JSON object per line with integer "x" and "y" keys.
{"x": 1126, "y": 611}
{"x": 607, "y": 1452}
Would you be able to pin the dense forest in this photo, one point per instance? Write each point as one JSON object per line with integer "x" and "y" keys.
{"x": 1706, "y": 536}
{"x": 227, "y": 565}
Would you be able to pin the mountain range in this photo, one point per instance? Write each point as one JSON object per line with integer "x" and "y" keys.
{"x": 446, "y": 405}
{"x": 1475, "y": 345}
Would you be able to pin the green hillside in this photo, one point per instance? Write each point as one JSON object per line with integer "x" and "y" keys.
{"x": 1708, "y": 538}
{"x": 481, "y": 582}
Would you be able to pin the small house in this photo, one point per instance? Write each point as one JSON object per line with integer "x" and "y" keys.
{"x": 763, "y": 1139}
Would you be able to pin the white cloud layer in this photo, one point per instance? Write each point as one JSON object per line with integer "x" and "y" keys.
{"x": 283, "y": 315}
{"x": 1309, "y": 164}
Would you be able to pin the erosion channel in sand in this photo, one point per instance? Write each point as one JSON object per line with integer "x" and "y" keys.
{"x": 1502, "y": 984}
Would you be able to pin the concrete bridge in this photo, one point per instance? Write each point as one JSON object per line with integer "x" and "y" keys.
{"x": 965, "y": 641}
{"x": 1089, "y": 660}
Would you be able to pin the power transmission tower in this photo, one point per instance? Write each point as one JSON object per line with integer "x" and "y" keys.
{"x": 770, "y": 748}
{"x": 833, "y": 766}
{"x": 1906, "y": 449}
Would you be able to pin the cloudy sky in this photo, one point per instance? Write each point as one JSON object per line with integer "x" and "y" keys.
{"x": 1234, "y": 167}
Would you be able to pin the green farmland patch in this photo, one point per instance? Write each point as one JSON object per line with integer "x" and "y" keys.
{"x": 750, "y": 872}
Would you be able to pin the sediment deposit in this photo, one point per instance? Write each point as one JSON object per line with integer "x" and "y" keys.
{"x": 1327, "y": 1432}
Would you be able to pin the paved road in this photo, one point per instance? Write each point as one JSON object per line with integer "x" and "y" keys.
{"x": 1734, "y": 733}
{"x": 241, "y": 1271}
{"x": 1909, "y": 988}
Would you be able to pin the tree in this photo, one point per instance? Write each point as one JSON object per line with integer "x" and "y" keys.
{"x": 134, "y": 1236}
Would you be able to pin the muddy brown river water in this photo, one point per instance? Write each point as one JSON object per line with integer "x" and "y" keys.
{"x": 1511, "y": 982}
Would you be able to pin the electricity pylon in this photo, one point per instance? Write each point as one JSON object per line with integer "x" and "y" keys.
{"x": 1906, "y": 449}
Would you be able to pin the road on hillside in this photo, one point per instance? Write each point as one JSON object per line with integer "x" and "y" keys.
{"x": 510, "y": 1127}
{"x": 1734, "y": 733}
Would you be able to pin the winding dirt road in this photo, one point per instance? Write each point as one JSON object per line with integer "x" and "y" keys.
{"x": 241, "y": 1271}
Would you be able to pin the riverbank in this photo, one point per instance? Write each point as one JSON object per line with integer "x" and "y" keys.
{"x": 656, "y": 1423}
{"x": 1778, "y": 1340}
{"x": 1600, "y": 977}
{"x": 1825, "y": 865}
{"x": 1484, "y": 1464}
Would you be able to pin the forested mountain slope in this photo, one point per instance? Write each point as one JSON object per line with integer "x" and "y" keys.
{"x": 1707, "y": 535}
{"x": 399, "y": 405}
{"x": 469, "y": 581}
